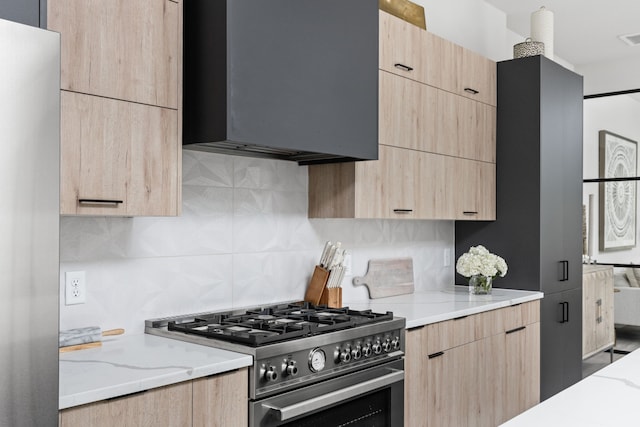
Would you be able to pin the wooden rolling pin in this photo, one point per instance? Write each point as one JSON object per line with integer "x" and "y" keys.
{"x": 81, "y": 338}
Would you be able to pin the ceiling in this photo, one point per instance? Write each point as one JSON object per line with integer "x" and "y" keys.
{"x": 585, "y": 31}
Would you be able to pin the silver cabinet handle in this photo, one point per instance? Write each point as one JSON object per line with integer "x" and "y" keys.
{"x": 319, "y": 402}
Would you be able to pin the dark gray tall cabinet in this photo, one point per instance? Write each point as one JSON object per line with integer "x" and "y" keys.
{"x": 538, "y": 227}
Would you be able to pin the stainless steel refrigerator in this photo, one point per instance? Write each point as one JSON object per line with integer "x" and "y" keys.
{"x": 29, "y": 224}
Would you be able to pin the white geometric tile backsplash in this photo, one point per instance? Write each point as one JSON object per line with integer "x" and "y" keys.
{"x": 243, "y": 239}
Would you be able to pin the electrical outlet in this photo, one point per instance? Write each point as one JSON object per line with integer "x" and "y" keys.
{"x": 75, "y": 288}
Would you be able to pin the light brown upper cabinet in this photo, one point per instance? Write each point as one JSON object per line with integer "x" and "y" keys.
{"x": 401, "y": 48}
{"x": 121, "y": 145}
{"x": 123, "y": 49}
{"x": 437, "y": 142}
{"x": 425, "y": 118}
{"x": 411, "y": 52}
{"x": 403, "y": 184}
{"x": 119, "y": 158}
{"x": 460, "y": 71}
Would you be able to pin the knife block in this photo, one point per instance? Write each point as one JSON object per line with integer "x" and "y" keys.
{"x": 331, "y": 297}
{"x": 317, "y": 285}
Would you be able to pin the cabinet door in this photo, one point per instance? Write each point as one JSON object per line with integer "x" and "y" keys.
{"x": 597, "y": 311}
{"x": 385, "y": 188}
{"x": 478, "y": 79}
{"x": 121, "y": 154}
{"x": 124, "y": 49}
{"x": 460, "y": 71}
{"x": 474, "y": 190}
{"x": 589, "y": 315}
{"x": 451, "y": 389}
{"x": 440, "y": 387}
{"x": 415, "y": 381}
{"x": 401, "y": 47}
{"x": 606, "y": 331}
{"x": 408, "y": 112}
{"x": 420, "y": 117}
{"x": 166, "y": 406}
{"x": 561, "y": 341}
{"x": 95, "y": 159}
{"x": 221, "y": 400}
{"x": 522, "y": 362}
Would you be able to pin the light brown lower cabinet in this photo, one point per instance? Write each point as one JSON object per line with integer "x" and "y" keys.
{"x": 219, "y": 400}
{"x": 598, "y": 332}
{"x": 480, "y": 370}
{"x": 163, "y": 406}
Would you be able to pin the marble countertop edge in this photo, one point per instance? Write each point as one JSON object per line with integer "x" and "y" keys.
{"x": 136, "y": 363}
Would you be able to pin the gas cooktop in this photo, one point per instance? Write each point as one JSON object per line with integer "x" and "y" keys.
{"x": 283, "y": 322}
{"x": 293, "y": 344}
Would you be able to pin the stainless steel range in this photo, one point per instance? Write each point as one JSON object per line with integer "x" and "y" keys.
{"x": 313, "y": 365}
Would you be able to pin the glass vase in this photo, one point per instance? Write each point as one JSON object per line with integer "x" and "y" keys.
{"x": 480, "y": 285}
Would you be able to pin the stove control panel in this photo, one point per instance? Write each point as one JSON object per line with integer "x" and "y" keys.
{"x": 324, "y": 360}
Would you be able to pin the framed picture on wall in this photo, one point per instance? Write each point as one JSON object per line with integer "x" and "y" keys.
{"x": 618, "y": 159}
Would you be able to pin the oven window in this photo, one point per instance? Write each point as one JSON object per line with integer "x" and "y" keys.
{"x": 371, "y": 410}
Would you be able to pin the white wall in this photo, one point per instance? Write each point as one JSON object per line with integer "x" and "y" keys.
{"x": 607, "y": 77}
{"x": 617, "y": 114}
{"x": 243, "y": 239}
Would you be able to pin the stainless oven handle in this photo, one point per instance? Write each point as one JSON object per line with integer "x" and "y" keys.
{"x": 319, "y": 402}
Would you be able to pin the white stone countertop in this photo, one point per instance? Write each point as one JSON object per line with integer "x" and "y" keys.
{"x": 609, "y": 397}
{"x": 131, "y": 363}
{"x": 436, "y": 306}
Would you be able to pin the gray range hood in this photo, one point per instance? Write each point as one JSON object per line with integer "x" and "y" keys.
{"x": 287, "y": 79}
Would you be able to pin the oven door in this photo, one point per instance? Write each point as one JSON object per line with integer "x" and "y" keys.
{"x": 371, "y": 397}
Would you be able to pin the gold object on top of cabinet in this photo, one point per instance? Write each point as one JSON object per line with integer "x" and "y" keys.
{"x": 406, "y": 10}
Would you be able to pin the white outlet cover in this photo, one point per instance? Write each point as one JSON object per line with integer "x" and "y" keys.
{"x": 75, "y": 287}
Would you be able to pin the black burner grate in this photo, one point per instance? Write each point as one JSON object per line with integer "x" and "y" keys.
{"x": 277, "y": 323}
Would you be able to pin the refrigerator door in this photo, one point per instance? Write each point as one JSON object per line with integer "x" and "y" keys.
{"x": 29, "y": 224}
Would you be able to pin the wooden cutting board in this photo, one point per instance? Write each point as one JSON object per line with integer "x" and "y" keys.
{"x": 388, "y": 277}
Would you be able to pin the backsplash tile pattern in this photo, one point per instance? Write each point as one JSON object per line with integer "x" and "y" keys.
{"x": 243, "y": 239}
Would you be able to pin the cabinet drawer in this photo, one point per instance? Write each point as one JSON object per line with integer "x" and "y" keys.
{"x": 507, "y": 319}
{"x": 448, "y": 334}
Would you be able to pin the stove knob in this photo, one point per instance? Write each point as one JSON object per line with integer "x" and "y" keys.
{"x": 356, "y": 353}
{"x": 396, "y": 343}
{"x": 271, "y": 374}
{"x": 345, "y": 356}
{"x": 377, "y": 347}
{"x": 291, "y": 369}
{"x": 367, "y": 350}
{"x": 386, "y": 346}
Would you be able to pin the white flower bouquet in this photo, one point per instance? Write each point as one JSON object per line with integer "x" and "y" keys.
{"x": 481, "y": 266}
